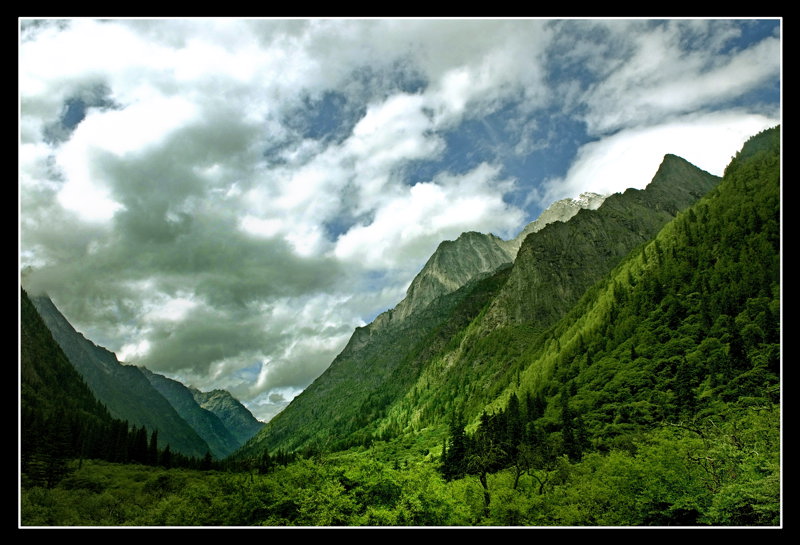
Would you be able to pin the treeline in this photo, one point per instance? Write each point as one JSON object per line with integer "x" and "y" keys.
{"x": 61, "y": 420}
{"x": 49, "y": 442}
{"x": 690, "y": 334}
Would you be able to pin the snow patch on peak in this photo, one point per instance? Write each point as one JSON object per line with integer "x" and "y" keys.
{"x": 562, "y": 210}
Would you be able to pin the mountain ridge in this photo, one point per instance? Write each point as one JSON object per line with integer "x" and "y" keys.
{"x": 207, "y": 424}
{"x": 238, "y": 420}
{"x": 137, "y": 395}
{"x": 124, "y": 389}
{"x": 357, "y": 363}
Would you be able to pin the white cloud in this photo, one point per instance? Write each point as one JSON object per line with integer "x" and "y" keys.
{"x": 630, "y": 158}
{"x": 407, "y": 228}
{"x": 662, "y": 78}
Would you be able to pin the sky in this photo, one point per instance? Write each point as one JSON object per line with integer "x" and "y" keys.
{"x": 223, "y": 201}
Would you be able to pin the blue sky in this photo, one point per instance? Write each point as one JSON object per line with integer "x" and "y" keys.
{"x": 225, "y": 200}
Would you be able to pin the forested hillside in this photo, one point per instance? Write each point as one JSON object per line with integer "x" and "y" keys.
{"x": 61, "y": 420}
{"x": 123, "y": 389}
{"x": 679, "y": 347}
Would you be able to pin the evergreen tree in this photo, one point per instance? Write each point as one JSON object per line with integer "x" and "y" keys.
{"x": 165, "y": 459}
{"x": 514, "y": 427}
{"x": 152, "y": 449}
{"x": 207, "y": 461}
{"x": 454, "y": 463}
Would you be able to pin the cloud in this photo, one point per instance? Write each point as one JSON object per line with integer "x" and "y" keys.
{"x": 630, "y": 158}
{"x": 673, "y": 68}
{"x": 407, "y": 229}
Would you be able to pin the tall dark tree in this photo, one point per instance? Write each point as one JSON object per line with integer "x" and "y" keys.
{"x": 165, "y": 459}
{"x": 454, "y": 459}
{"x": 152, "y": 449}
{"x": 515, "y": 426}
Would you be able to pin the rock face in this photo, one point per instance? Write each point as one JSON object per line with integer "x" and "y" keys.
{"x": 123, "y": 389}
{"x": 239, "y": 421}
{"x": 453, "y": 264}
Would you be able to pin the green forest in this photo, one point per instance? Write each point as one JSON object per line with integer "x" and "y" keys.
{"x": 655, "y": 401}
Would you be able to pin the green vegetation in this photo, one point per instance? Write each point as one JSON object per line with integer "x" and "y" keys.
{"x": 717, "y": 474}
{"x": 61, "y": 420}
{"x": 655, "y": 401}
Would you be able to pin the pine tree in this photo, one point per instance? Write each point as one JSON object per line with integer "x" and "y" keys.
{"x": 152, "y": 450}
{"x": 165, "y": 460}
{"x": 454, "y": 460}
{"x": 514, "y": 426}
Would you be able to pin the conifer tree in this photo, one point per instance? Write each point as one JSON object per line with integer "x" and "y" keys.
{"x": 152, "y": 450}
{"x": 453, "y": 463}
{"x": 165, "y": 460}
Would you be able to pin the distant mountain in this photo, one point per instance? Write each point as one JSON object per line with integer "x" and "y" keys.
{"x": 123, "y": 389}
{"x": 219, "y": 438}
{"x": 467, "y": 290}
{"x": 238, "y": 420}
{"x": 191, "y": 422}
{"x": 453, "y": 264}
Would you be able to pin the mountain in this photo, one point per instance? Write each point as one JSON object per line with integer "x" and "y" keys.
{"x": 554, "y": 267}
{"x": 661, "y": 385}
{"x": 562, "y": 211}
{"x": 123, "y": 389}
{"x": 208, "y": 426}
{"x": 472, "y": 254}
{"x": 469, "y": 305}
{"x": 191, "y": 422}
{"x": 452, "y": 265}
{"x": 655, "y": 399}
{"x": 238, "y": 420}
{"x": 54, "y": 401}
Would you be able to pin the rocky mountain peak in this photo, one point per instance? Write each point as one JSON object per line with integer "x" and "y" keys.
{"x": 456, "y": 262}
{"x": 561, "y": 210}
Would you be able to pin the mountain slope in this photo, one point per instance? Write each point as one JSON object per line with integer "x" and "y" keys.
{"x": 562, "y": 211}
{"x": 555, "y": 266}
{"x": 473, "y": 254}
{"x": 378, "y": 368}
{"x": 662, "y": 385}
{"x": 238, "y": 420}
{"x": 123, "y": 389}
{"x": 207, "y": 425}
{"x": 54, "y": 401}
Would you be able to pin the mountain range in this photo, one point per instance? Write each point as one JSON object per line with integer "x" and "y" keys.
{"x": 618, "y": 365}
{"x": 456, "y": 344}
{"x": 475, "y": 296}
{"x": 191, "y": 422}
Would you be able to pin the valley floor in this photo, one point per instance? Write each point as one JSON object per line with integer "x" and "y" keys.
{"x": 672, "y": 477}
